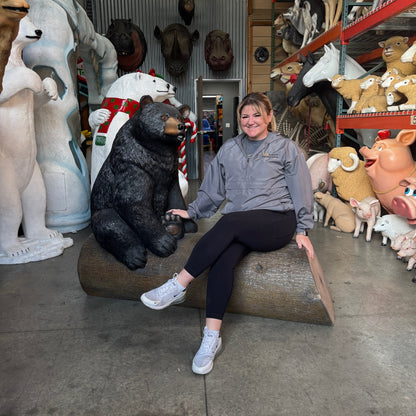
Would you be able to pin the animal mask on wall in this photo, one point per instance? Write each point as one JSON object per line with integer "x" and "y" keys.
{"x": 218, "y": 51}
{"x": 129, "y": 42}
{"x": 186, "y": 10}
{"x": 176, "y": 45}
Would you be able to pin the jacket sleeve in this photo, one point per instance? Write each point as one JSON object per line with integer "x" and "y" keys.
{"x": 211, "y": 194}
{"x": 299, "y": 183}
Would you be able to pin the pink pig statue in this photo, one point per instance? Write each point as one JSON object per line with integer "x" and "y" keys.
{"x": 366, "y": 211}
{"x": 387, "y": 163}
{"x": 405, "y": 204}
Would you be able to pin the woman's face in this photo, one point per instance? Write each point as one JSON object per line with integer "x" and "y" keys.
{"x": 253, "y": 124}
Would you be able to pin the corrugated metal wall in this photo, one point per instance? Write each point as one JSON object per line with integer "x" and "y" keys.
{"x": 227, "y": 15}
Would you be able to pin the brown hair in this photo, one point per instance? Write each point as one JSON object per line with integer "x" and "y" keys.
{"x": 261, "y": 103}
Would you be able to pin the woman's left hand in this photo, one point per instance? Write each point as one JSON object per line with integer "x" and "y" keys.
{"x": 303, "y": 241}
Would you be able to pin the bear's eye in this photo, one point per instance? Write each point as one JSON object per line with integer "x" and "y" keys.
{"x": 165, "y": 117}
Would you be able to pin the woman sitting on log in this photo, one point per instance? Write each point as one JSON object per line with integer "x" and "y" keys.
{"x": 265, "y": 181}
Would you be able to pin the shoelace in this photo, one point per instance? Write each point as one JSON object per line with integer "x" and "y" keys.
{"x": 208, "y": 344}
{"x": 168, "y": 286}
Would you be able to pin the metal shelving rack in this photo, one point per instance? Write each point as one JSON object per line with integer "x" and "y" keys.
{"x": 385, "y": 120}
{"x": 352, "y": 32}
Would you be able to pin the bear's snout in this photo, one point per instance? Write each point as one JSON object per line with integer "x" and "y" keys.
{"x": 174, "y": 127}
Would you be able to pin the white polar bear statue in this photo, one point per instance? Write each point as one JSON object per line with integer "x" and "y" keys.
{"x": 121, "y": 103}
{"x": 22, "y": 190}
{"x": 67, "y": 32}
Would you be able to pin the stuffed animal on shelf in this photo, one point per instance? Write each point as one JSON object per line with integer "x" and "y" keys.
{"x": 348, "y": 174}
{"x": 366, "y": 212}
{"x": 340, "y": 212}
{"x": 393, "y": 49}
{"x": 387, "y": 163}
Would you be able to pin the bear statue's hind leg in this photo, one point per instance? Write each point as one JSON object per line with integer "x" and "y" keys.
{"x": 113, "y": 234}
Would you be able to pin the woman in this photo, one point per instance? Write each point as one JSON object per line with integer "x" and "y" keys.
{"x": 264, "y": 179}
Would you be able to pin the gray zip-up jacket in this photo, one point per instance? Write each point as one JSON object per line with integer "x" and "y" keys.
{"x": 275, "y": 177}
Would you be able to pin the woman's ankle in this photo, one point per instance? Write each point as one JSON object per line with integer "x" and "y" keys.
{"x": 184, "y": 278}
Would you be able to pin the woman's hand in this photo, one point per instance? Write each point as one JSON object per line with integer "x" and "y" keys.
{"x": 181, "y": 212}
{"x": 303, "y": 241}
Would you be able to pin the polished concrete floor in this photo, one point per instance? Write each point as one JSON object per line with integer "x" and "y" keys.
{"x": 65, "y": 353}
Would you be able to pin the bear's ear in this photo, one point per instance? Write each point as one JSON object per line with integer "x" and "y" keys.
{"x": 146, "y": 99}
{"x": 184, "y": 110}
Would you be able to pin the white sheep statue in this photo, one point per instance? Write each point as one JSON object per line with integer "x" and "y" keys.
{"x": 348, "y": 174}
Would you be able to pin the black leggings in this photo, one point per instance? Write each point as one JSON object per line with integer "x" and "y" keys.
{"x": 231, "y": 238}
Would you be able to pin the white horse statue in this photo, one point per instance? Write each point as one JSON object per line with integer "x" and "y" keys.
{"x": 66, "y": 30}
{"x": 22, "y": 190}
{"x": 328, "y": 66}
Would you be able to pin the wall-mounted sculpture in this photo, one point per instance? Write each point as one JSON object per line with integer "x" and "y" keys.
{"x": 176, "y": 45}
{"x": 129, "y": 42}
{"x": 11, "y": 11}
{"x": 186, "y": 10}
{"x": 218, "y": 51}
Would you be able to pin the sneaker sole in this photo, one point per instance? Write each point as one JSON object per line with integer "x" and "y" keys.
{"x": 151, "y": 305}
{"x": 208, "y": 368}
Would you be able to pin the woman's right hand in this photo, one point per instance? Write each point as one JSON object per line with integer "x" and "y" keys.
{"x": 181, "y": 212}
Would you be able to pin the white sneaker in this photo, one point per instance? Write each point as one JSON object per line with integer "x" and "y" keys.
{"x": 210, "y": 347}
{"x": 163, "y": 296}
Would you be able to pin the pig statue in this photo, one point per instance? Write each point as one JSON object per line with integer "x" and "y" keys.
{"x": 340, "y": 212}
{"x": 408, "y": 250}
{"x": 387, "y": 163}
{"x": 405, "y": 204}
{"x": 392, "y": 226}
{"x": 366, "y": 211}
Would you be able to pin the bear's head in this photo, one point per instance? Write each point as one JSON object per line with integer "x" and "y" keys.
{"x": 159, "y": 122}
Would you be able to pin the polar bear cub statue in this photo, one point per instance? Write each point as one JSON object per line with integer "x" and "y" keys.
{"x": 22, "y": 190}
{"x": 121, "y": 102}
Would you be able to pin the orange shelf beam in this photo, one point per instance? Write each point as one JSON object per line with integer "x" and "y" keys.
{"x": 323, "y": 39}
{"x": 386, "y": 120}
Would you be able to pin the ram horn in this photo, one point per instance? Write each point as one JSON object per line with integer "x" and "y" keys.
{"x": 354, "y": 166}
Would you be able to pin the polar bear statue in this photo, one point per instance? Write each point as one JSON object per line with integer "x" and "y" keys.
{"x": 121, "y": 102}
{"x": 22, "y": 190}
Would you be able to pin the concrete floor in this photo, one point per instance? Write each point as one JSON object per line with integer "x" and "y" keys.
{"x": 65, "y": 353}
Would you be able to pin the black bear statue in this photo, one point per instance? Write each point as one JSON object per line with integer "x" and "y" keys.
{"x": 138, "y": 183}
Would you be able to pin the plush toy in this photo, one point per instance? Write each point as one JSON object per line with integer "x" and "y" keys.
{"x": 366, "y": 212}
{"x": 22, "y": 189}
{"x": 11, "y": 12}
{"x": 340, "y": 212}
{"x": 387, "y": 163}
{"x": 138, "y": 183}
{"x": 348, "y": 174}
{"x": 393, "y": 49}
